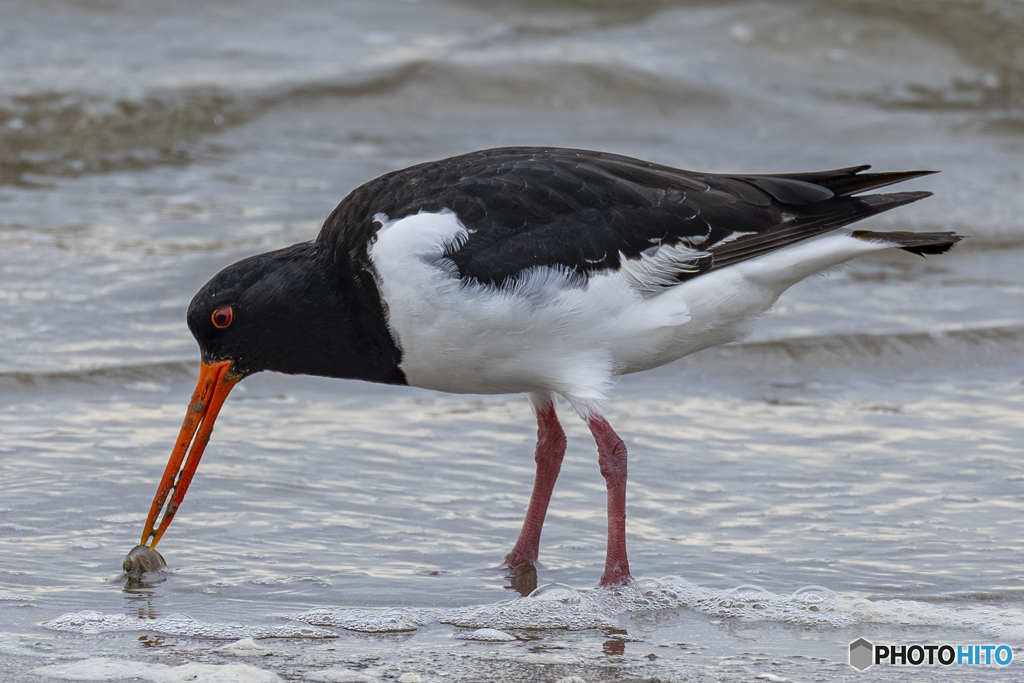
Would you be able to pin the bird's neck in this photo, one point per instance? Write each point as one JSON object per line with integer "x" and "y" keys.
{"x": 337, "y": 327}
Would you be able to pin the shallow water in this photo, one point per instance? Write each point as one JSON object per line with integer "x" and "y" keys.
{"x": 864, "y": 442}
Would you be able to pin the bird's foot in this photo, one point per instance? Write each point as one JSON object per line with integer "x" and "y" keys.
{"x": 615, "y": 575}
{"x": 615, "y": 581}
{"x": 518, "y": 561}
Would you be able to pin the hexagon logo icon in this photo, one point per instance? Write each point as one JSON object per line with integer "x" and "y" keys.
{"x": 862, "y": 654}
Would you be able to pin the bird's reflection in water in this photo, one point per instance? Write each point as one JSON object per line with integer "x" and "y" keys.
{"x": 617, "y": 645}
{"x": 140, "y": 599}
{"x": 523, "y": 581}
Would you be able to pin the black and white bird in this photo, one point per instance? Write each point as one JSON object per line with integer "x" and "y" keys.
{"x": 542, "y": 271}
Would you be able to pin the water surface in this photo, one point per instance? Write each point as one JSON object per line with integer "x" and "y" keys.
{"x": 852, "y": 470}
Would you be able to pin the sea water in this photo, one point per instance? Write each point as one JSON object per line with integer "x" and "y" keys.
{"x": 852, "y": 470}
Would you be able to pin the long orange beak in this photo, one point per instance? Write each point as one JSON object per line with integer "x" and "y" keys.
{"x": 215, "y": 383}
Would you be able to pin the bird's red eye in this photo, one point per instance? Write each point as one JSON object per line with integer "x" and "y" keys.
{"x": 222, "y": 317}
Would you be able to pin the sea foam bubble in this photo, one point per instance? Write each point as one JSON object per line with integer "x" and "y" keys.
{"x": 179, "y": 625}
{"x": 557, "y": 606}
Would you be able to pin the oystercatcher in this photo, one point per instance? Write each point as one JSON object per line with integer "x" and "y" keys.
{"x": 537, "y": 270}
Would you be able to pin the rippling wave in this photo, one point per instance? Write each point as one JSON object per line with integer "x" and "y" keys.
{"x": 140, "y": 374}
{"x": 590, "y": 61}
{"x": 985, "y": 33}
{"x": 75, "y": 133}
{"x": 924, "y": 348}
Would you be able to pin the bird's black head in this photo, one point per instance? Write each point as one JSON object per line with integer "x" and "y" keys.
{"x": 250, "y": 312}
{"x": 295, "y": 311}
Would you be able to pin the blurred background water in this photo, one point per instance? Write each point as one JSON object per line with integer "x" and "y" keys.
{"x": 866, "y": 439}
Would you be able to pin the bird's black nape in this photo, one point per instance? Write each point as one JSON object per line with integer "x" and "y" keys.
{"x": 296, "y": 311}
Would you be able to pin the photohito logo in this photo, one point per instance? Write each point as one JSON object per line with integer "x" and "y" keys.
{"x": 863, "y": 654}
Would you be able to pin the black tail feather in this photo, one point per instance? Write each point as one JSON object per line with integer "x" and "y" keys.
{"x": 752, "y": 246}
{"x": 849, "y": 181}
{"x": 920, "y": 243}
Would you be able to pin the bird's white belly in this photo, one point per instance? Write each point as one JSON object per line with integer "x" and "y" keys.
{"x": 549, "y": 333}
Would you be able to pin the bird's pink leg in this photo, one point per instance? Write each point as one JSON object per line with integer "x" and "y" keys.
{"x": 612, "y": 459}
{"x": 549, "y": 454}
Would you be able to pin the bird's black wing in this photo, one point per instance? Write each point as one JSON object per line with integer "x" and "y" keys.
{"x": 586, "y": 211}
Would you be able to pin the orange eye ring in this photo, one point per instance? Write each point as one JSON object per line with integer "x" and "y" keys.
{"x": 222, "y": 317}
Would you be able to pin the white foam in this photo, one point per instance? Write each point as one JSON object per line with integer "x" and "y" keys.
{"x": 106, "y": 669}
{"x": 367, "y": 620}
{"x": 558, "y": 606}
{"x": 554, "y": 606}
{"x": 246, "y": 647}
{"x": 178, "y": 625}
{"x": 1004, "y": 623}
{"x": 14, "y": 598}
